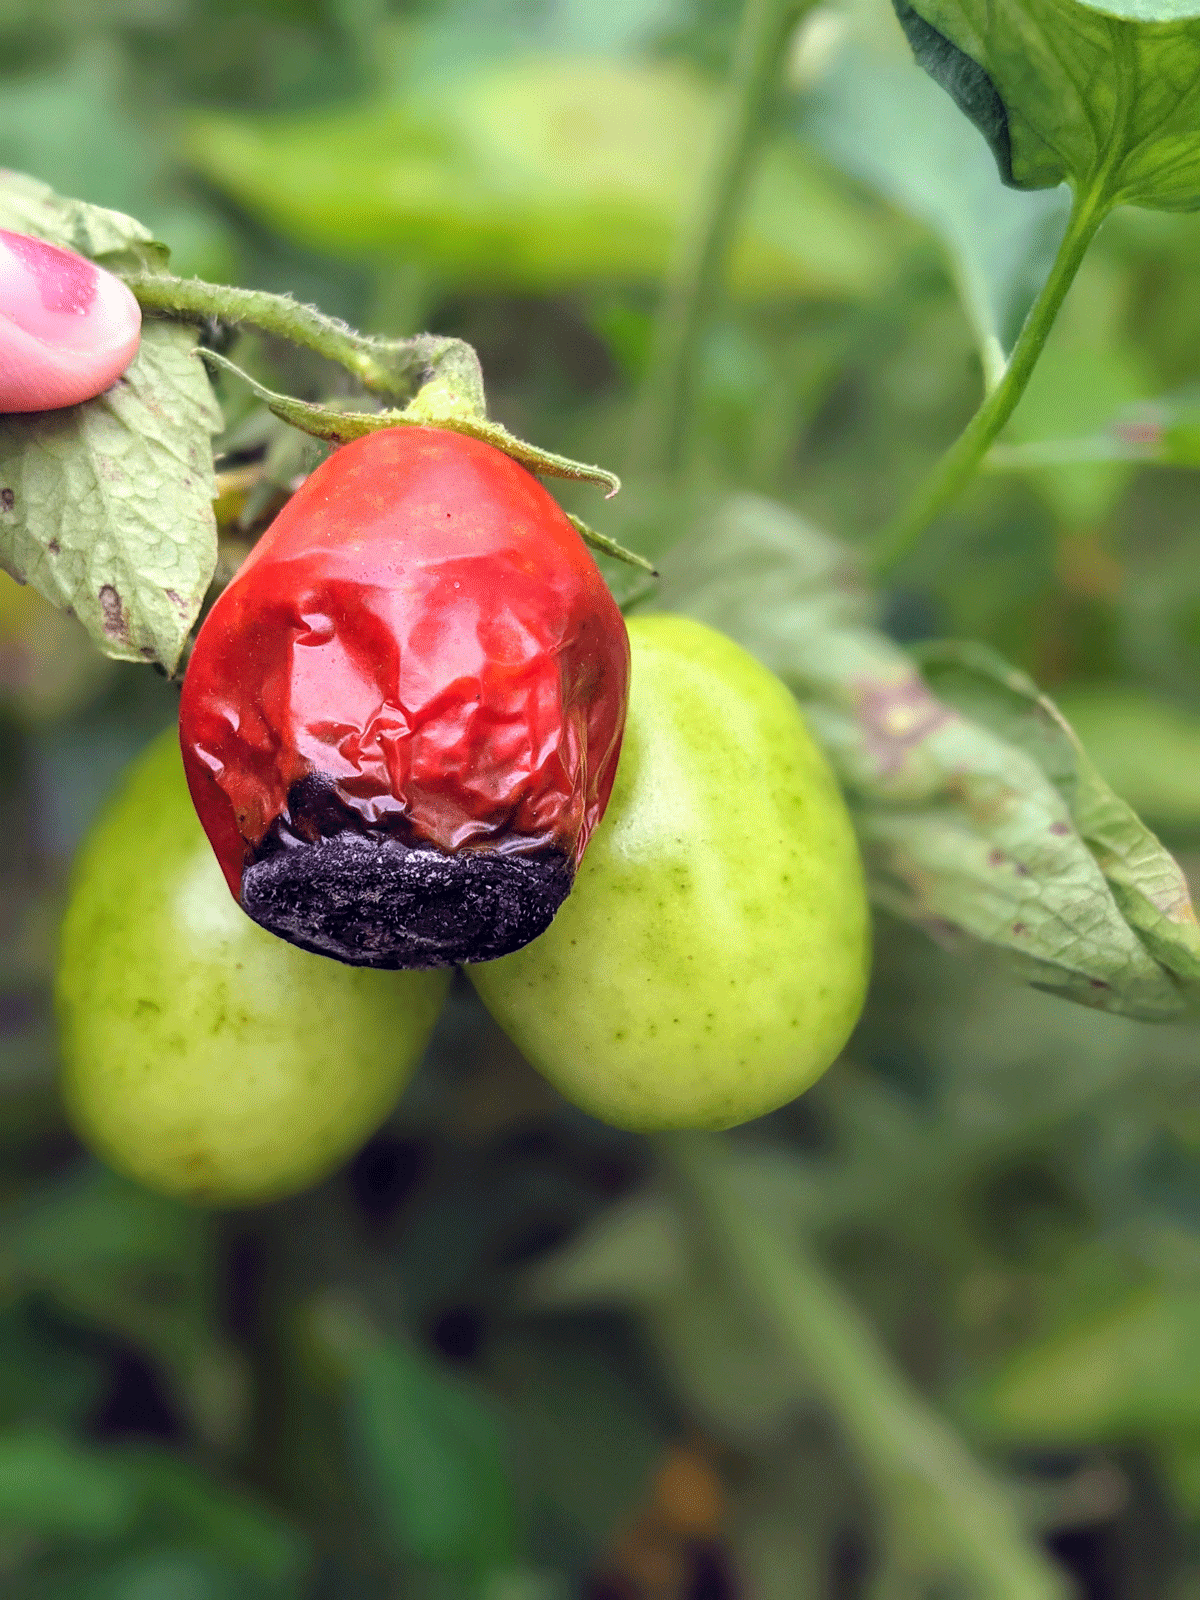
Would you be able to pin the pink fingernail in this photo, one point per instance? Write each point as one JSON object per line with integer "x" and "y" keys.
{"x": 64, "y": 282}
{"x": 68, "y": 329}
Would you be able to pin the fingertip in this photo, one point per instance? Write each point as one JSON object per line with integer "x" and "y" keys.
{"x": 116, "y": 320}
{"x": 68, "y": 328}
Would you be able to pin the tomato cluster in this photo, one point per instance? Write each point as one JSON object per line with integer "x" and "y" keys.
{"x": 401, "y": 727}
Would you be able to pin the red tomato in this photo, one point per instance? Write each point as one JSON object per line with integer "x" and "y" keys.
{"x": 401, "y": 720}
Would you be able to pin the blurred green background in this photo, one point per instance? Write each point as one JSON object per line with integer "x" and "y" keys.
{"x": 493, "y": 1357}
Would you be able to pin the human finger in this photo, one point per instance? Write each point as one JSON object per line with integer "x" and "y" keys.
{"x": 68, "y": 329}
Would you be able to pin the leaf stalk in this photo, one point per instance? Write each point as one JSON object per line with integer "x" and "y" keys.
{"x": 962, "y": 460}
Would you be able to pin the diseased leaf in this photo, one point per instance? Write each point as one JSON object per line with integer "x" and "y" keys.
{"x": 106, "y": 507}
{"x": 1146, "y": 882}
{"x": 982, "y": 821}
{"x": 110, "y": 237}
{"x": 883, "y": 121}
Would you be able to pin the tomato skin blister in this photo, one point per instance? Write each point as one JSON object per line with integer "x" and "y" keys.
{"x": 401, "y": 720}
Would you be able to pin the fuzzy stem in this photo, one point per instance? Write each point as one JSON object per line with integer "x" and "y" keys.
{"x": 395, "y": 367}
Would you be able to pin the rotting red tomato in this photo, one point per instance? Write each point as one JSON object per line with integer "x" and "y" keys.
{"x": 401, "y": 720}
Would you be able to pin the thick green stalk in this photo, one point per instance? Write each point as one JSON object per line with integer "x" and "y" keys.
{"x": 386, "y": 366}
{"x": 962, "y": 460}
{"x": 945, "y": 1516}
{"x": 694, "y": 280}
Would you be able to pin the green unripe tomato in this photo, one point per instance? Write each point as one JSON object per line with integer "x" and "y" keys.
{"x": 202, "y": 1055}
{"x": 712, "y": 957}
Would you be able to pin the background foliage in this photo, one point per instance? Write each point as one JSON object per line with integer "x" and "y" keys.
{"x": 927, "y": 1331}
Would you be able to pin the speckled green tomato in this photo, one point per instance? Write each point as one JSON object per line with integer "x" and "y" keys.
{"x": 712, "y": 957}
{"x": 202, "y": 1055}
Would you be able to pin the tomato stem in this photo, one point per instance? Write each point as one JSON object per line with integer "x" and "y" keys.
{"x": 694, "y": 280}
{"x": 943, "y": 1512}
{"x": 962, "y": 460}
{"x": 396, "y": 367}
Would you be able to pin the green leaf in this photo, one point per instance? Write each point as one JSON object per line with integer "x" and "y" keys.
{"x": 536, "y": 173}
{"x": 1178, "y": 1459}
{"x": 727, "y": 1373}
{"x": 182, "y": 1503}
{"x": 27, "y": 206}
{"x": 1075, "y": 387}
{"x": 980, "y": 820}
{"x": 79, "y": 126}
{"x": 634, "y": 1253}
{"x": 155, "y": 1574}
{"x": 432, "y": 1461}
{"x": 486, "y": 29}
{"x": 1106, "y": 98}
{"x": 46, "y": 1374}
{"x": 115, "y": 1257}
{"x": 106, "y": 507}
{"x": 1132, "y": 1369}
{"x": 51, "y": 1486}
{"x": 1155, "y": 433}
{"x": 883, "y": 121}
{"x": 568, "y": 1379}
{"x": 945, "y": 1519}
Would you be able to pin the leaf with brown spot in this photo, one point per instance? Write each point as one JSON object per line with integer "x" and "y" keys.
{"x": 979, "y": 816}
{"x": 111, "y": 513}
{"x": 115, "y": 625}
{"x": 1146, "y": 881}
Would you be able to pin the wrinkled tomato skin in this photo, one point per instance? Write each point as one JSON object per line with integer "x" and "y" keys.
{"x": 421, "y": 650}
